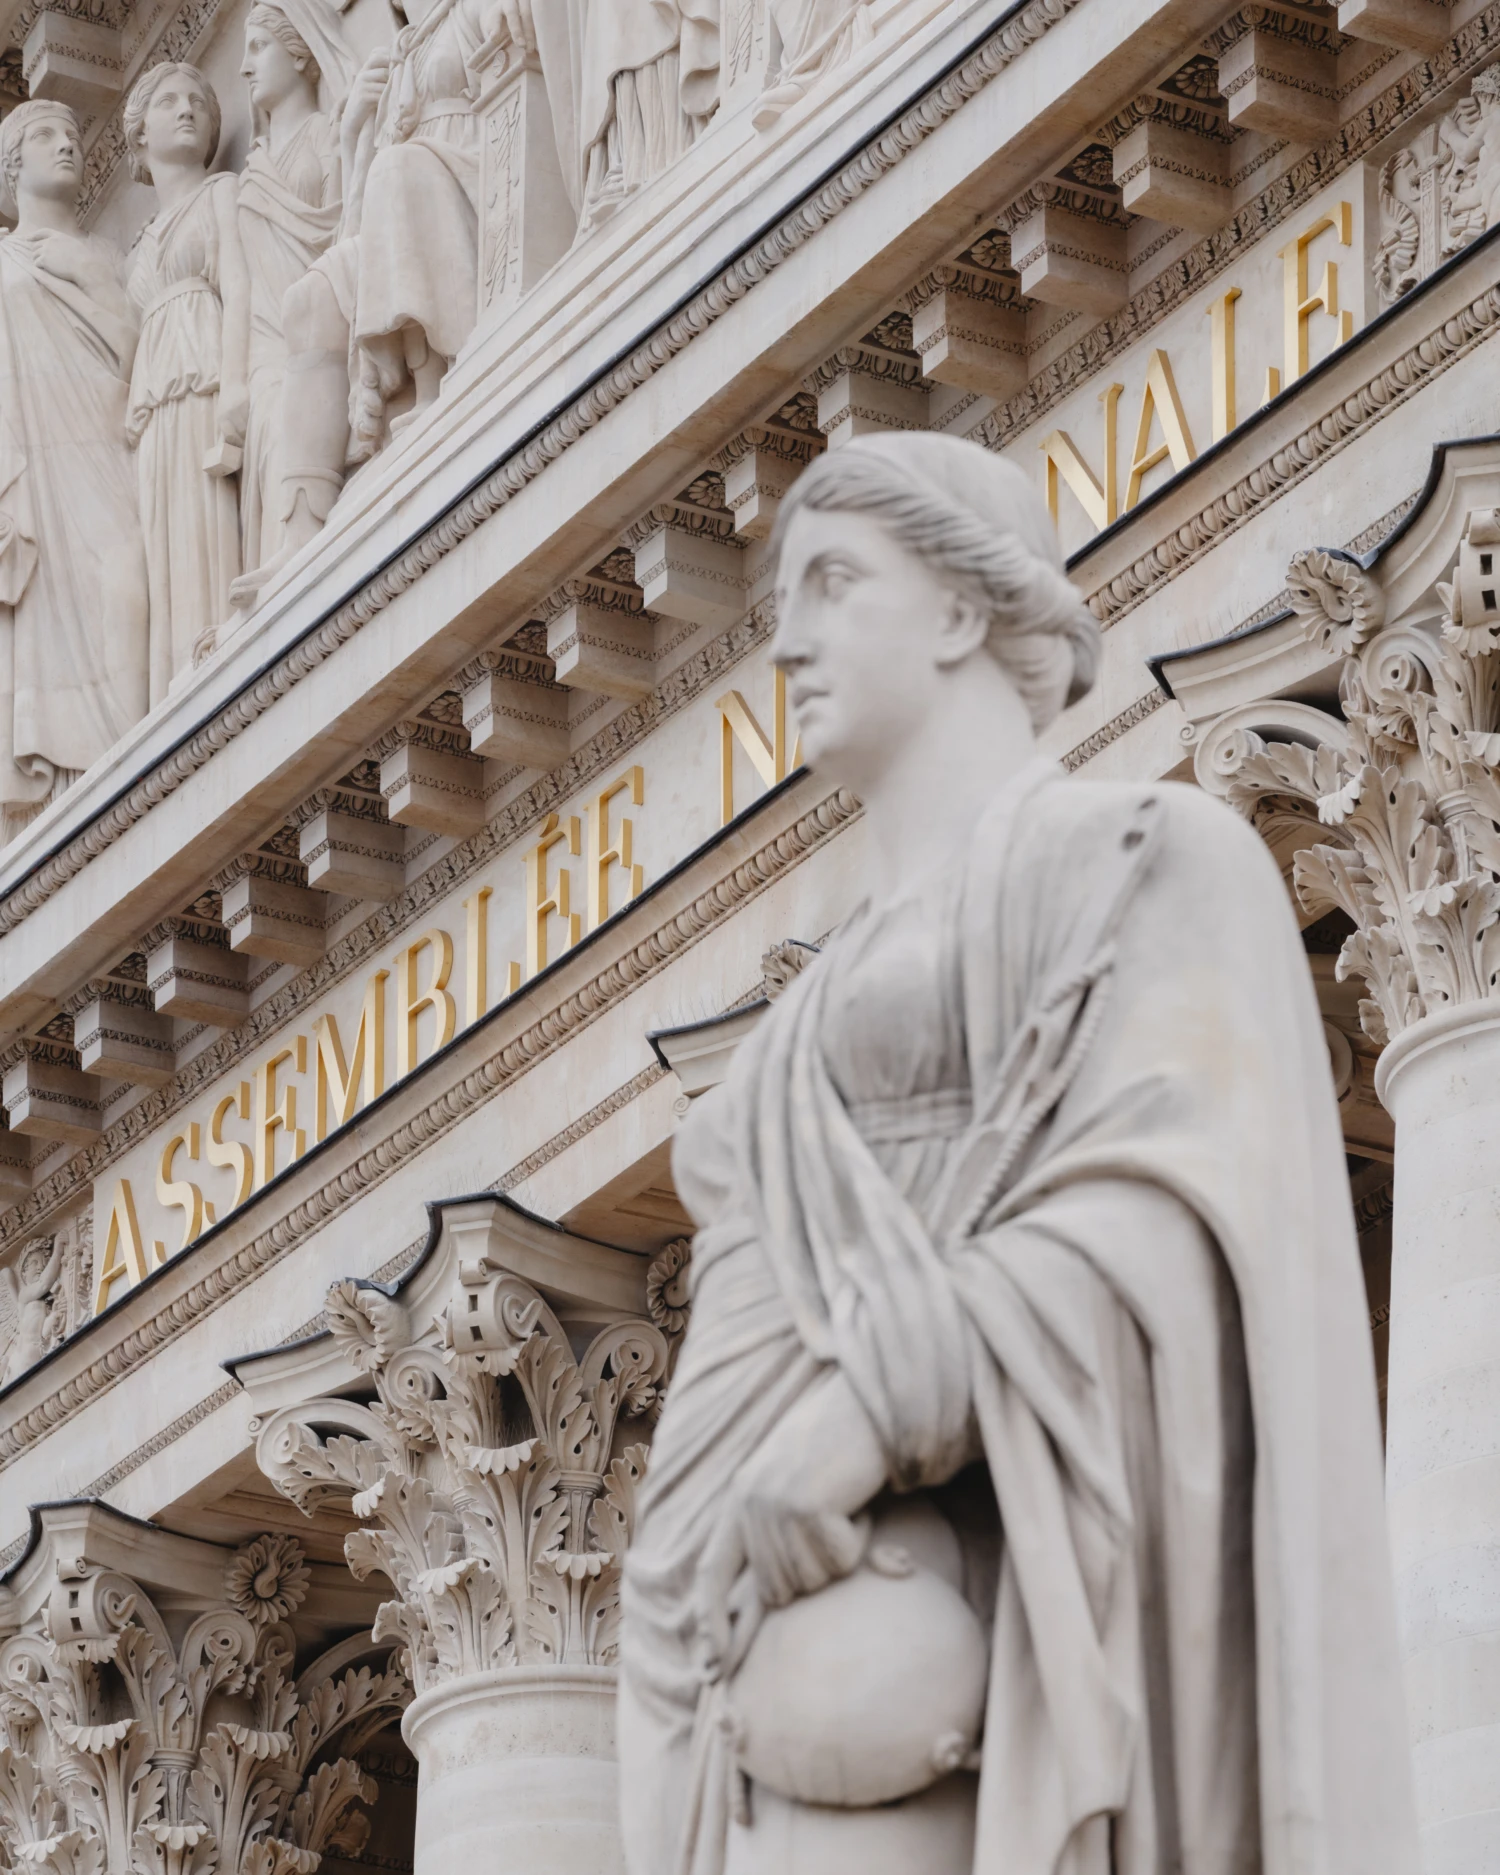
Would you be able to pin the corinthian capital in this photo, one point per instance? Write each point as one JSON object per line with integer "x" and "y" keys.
{"x": 143, "y": 1742}
{"x": 495, "y": 1473}
{"x": 1406, "y": 805}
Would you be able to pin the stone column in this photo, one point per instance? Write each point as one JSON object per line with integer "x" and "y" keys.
{"x": 1406, "y": 813}
{"x": 495, "y": 1478}
{"x": 1441, "y": 1081}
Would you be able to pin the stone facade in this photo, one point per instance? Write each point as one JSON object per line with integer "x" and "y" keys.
{"x": 419, "y": 826}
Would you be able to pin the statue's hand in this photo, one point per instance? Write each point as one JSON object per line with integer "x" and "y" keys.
{"x": 366, "y": 91}
{"x": 234, "y": 411}
{"x": 517, "y": 17}
{"x": 69, "y": 257}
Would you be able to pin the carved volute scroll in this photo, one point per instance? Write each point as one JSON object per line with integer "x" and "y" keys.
{"x": 132, "y": 1744}
{"x": 1408, "y": 811}
{"x": 494, "y": 1471}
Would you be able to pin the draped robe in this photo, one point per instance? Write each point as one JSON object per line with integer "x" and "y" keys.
{"x": 1132, "y": 1280}
{"x": 72, "y": 569}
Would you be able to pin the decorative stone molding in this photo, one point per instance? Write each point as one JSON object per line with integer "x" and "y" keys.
{"x": 863, "y": 390}
{"x": 502, "y": 1066}
{"x": 1408, "y": 806}
{"x": 119, "y": 1034}
{"x": 1411, "y": 25}
{"x": 758, "y": 467}
{"x": 133, "y": 1743}
{"x": 430, "y": 779}
{"x": 1171, "y": 162}
{"x": 47, "y": 1096}
{"x": 688, "y": 563}
{"x": 192, "y": 974}
{"x": 1069, "y": 248}
{"x": 1278, "y": 72}
{"x": 511, "y": 718}
{"x": 669, "y": 1296}
{"x": 77, "y": 61}
{"x": 349, "y": 846}
{"x": 269, "y": 911}
{"x": 600, "y": 638}
{"x": 969, "y": 329}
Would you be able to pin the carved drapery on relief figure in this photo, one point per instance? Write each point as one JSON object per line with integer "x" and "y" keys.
{"x": 188, "y": 391}
{"x": 131, "y": 1745}
{"x": 290, "y": 199}
{"x": 72, "y": 573}
{"x": 494, "y": 1473}
{"x": 815, "y": 36}
{"x": 1441, "y": 191}
{"x": 632, "y": 84}
{"x": 1406, "y": 803}
{"x": 45, "y": 1294}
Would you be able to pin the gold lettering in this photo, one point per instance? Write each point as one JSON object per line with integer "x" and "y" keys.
{"x": 229, "y": 1153}
{"x": 1221, "y": 312}
{"x": 124, "y": 1252}
{"x": 606, "y": 850}
{"x": 180, "y": 1194}
{"x": 330, "y": 1075}
{"x": 544, "y": 900}
{"x": 768, "y": 755}
{"x": 410, "y": 1002}
{"x": 1298, "y": 304}
{"x": 476, "y": 977}
{"x": 276, "y": 1111}
{"x": 1099, "y": 501}
{"x": 1159, "y": 403}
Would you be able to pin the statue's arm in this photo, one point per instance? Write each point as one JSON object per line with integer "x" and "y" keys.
{"x": 788, "y": 1527}
{"x": 234, "y": 294}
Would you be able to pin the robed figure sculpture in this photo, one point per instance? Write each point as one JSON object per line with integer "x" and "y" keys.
{"x": 1016, "y": 1504}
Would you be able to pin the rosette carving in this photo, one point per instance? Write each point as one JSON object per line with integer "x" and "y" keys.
{"x": 119, "y": 1754}
{"x": 1337, "y": 600}
{"x": 1407, "y": 810}
{"x": 494, "y": 1473}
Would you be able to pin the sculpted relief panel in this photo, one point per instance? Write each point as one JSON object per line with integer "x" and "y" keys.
{"x": 175, "y": 424}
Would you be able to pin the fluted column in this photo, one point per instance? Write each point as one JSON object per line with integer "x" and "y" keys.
{"x": 1406, "y": 806}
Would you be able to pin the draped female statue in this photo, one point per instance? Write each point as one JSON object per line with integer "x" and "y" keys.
{"x": 290, "y": 196}
{"x": 72, "y": 570}
{"x": 188, "y": 392}
{"x": 1016, "y": 1504}
{"x": 632, "y": 85}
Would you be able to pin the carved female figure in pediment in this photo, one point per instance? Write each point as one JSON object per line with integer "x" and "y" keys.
{"x": 72, "y": 569}
{"x": 290, "y": 199}
{"x": 632, "y": 85}
{"x": 189, "y": 390}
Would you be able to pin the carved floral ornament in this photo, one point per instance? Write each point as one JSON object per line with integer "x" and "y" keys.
{"x": 493, "y": 1471}
{"x": 130, "y": 1747}
{"x": 1406, "y": 802}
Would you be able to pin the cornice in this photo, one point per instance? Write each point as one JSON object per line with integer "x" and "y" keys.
{"x": 1448, "y": 340}
{"x": 1202, "y": 263}
{"x": 542, "y": 1037}
{"x": 1001, "y": 46}
{"x": 621, "y": 734}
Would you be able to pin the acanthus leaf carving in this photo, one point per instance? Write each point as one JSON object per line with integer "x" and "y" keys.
{"x": 1405, "y": 812}
{"x": 494, "y": 1486}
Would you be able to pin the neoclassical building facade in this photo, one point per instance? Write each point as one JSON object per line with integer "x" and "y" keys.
{"x": 403, "y": 822}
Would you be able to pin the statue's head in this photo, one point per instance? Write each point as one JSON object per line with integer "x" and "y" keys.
{"x": 41, "y": 153}
{"x": 172, "y": 116}
{"x": 1486, "y": 87}
{"x": 900, "y": 560}
{"x": 278, "y": 62}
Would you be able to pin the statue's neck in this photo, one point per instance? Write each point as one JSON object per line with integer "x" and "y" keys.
{"x": 287, "y": 119}
{"x": 42, "y": 215}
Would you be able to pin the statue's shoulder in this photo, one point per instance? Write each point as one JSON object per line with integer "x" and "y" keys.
{"x": 1069, "y": 810}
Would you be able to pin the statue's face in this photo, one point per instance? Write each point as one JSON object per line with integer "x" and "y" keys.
{"x": 856, "y": 636}
{"x": 178, "y": 122}
{"x": 51, "y": 158}
{"x": 270, "y": 71}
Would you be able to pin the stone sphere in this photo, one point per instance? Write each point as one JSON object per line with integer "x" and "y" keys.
{"x": 865, "y": 1692}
